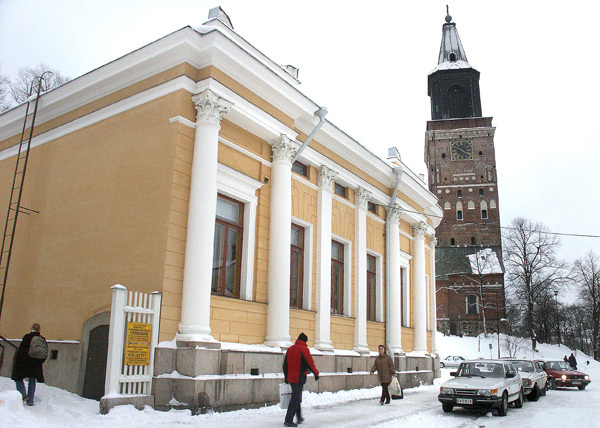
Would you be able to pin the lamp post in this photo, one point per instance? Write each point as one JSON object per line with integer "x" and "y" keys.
{"x": 557, "y": 318}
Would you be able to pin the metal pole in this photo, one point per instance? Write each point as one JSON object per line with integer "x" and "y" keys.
{"x": 498, "y": 319}
{"x": 557, "y": 318}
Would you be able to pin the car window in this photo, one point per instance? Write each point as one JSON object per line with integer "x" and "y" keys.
{"x": 523, "y": 366}
{"x": 510, "y": 369}
{"x": 481, "y": 370}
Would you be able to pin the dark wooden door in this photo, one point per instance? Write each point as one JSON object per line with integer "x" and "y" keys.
{"x": 95, "y": 368}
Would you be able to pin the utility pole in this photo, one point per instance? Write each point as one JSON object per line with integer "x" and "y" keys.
{"x": 557, "y": 317}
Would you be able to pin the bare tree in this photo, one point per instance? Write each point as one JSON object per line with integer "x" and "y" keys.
{"x": 531, "y": 265}
{"x": 587, "y": 279}
{"x": 4, "y": 88}
{"x": 21, "y": 88}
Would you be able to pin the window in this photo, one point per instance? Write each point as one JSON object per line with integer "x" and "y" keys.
{"x": 371, "y": 288}
{"x": 473, "y": 241}
{"x": 340, "y": 190}
{"x": 297, "y": 267}
{"x": 484, "y": 215}
{"x": 443, "y": 155}
{"x": 472, "y": 305}
{"x": 459, "y": 193}
{"x": 371, "y": 206}
{"x": 452, "y": 242}
{"x": 337, "y": 278}
{"x": 480, "y": 192}
{"x": 227, "y": 248}
{"x": 459, "y": 215}
{"x": 300, "y": 168}
{"x": 483, "y": 207}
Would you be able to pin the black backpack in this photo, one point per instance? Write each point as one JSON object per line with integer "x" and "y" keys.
{"x": 38, "y": 348}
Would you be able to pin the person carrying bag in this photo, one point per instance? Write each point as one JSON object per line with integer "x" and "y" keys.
{"x": 384, "y": 366}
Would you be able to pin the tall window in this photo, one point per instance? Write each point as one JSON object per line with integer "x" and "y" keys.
{"x": 371, "y": 288}
{"x": 472, "y": 305}
{"x": 337, "y": 278}
{"x": 459, "y": 193}
{"x": 227, "y": 248}
{"x": 297, "y": 267}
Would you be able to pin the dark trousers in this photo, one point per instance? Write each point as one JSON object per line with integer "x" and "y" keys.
{"x": 295, "y": 402}
{"x": 30, "y": 389}
{"x": 385, "y": 393}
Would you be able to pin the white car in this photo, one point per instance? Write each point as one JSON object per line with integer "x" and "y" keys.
{"x": 535, "y": 379}
{"x": 483, "y": 384}
{"x": 451, "y": 361}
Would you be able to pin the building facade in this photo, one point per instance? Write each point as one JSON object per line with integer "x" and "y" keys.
{"x": 178, "y": 168}
{"x": 461, "y": 162}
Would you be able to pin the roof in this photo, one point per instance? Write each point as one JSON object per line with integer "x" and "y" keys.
{"x": 461, "y": 261}
{"x": 452, "y": 54}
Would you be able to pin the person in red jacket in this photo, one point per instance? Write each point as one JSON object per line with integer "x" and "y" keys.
{"x": 296, "y": 364}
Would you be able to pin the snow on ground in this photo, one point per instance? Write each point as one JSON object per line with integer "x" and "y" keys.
{"x": 358, "y": 408}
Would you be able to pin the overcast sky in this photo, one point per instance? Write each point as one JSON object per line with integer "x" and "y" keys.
{"x": 368, "y": 62}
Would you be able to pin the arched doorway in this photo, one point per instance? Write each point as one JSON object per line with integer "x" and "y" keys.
{"x": 95, "y": 367}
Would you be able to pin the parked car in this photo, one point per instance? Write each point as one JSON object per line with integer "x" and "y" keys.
{"x": 487, "y": 384}
{"x": 560, "y": 374}
{"x": 451, "y": 361}
{"x": 535, "y": 379}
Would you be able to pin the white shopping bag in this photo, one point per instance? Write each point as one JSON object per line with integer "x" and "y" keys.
{"x": 395, "y": 388}
{"x": 285, "y": 395}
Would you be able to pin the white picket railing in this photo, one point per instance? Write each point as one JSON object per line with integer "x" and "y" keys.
{"x": 130, "y": 307}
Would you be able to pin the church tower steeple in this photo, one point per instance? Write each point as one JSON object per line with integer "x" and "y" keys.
{"x": 453, "y": 85}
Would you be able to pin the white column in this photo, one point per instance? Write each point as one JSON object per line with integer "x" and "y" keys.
{"x": 420, "y": 294}
{"x": 394, "y": 310}
{"x": 197, "y": 272}
{"x": 323, "y": 286}
{"x": 278, "y": 292}
{"x": 360, "y": 251}
{"x": 432, "y": 244}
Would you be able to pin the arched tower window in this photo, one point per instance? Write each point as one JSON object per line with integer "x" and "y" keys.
{"x": 459, "y": 211}
{"x": 484, "y": 212}
{"x": 457, "y": 102}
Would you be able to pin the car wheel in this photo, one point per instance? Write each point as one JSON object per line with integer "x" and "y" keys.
{"x": 581, "y": 388}
{"x": 447, "y": 408}
{"x": 503, "y": 409}
{"x": 519, "y": 401}
{"x": 551, "y": 384}
{"x": 442, "y": 365}
{"x": 544, "y": 390}
{"x": 535, "y": 394}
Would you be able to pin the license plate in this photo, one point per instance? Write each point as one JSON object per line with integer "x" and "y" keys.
{"x": 576, "y": 382}
{"x": 464, "y": 401}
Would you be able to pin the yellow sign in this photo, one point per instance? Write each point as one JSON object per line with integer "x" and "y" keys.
{"x": 137, "y": 348}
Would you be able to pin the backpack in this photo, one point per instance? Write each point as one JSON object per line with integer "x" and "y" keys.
{"x": 38, "y": 348}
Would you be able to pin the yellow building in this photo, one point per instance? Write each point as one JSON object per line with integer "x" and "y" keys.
{"x": 131, "y": 164}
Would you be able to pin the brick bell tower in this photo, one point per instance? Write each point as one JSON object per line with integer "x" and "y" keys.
{"x": 461, "y": 163}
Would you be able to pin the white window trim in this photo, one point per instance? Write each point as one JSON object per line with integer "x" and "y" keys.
{"x": 378, "y": 285}
{"x": 347, "y": 273}
{"x": 308, "y": 262}
{"x": 405, "y": 272}
{"x": 243, "y": 189}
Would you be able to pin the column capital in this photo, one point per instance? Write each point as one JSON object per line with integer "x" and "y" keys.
{"x": 210, "y": 107}
{"x": 326, "y": 178}
{"x": 283, "y": 149}
{"x": 420, "y": 229}
{"x": 432, "y": 240}
{"x": 395, "y": 213}
{"x": 361, "y": 198}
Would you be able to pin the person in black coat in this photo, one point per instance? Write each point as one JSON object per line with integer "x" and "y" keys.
{"x": 25, "y": 366}
{"x": 573, "y": 361}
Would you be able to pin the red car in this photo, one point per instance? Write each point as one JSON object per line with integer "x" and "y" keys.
{"x": 560, "y": 374}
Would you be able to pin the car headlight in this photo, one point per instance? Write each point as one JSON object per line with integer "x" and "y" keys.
{"x": 587, "y": 377}
{"x": 526, "y": 382}
{"x": 449, "y": 391}
{"x": 564, "y": 377}
{"x": 484, "y": 392}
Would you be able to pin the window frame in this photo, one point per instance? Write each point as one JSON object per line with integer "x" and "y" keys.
{"x": 300, "y": 250}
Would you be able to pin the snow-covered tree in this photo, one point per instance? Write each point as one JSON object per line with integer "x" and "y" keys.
{"x": 4, "y": 88}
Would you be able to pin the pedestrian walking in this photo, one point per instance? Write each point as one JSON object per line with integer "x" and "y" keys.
{"x": 28, "y": 361}
{"x": 573, "y": 361}
{"x": 384, "y": 366}
{"x": 296, "y": 364}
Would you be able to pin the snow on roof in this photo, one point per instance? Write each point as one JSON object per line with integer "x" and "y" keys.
{"x": 485, "y": 262}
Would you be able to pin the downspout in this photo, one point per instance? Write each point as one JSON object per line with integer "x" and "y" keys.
{"x": 321, "y": 113}
{"x": 398, "y": 171}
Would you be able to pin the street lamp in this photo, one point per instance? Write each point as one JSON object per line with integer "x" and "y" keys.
{"x": 557, "y": 319}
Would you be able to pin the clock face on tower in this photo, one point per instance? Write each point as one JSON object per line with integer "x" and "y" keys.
{"x": 461, "y": 150}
